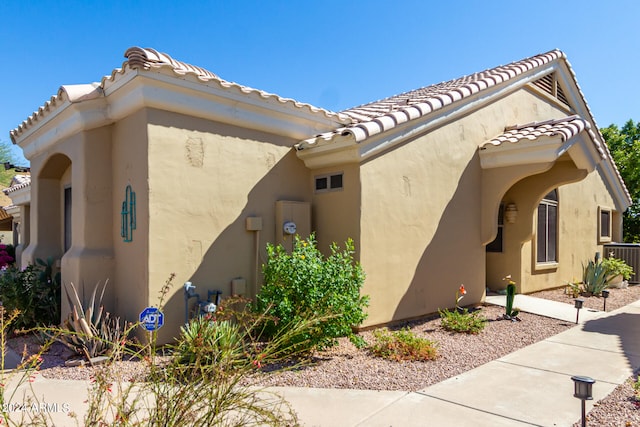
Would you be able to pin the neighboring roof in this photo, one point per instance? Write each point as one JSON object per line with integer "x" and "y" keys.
{"x": 18, "y": 182}
{"x": 148, "y": 59}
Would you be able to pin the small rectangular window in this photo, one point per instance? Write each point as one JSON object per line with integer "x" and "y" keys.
{"x": 330, "y": 182}
{"x": 604, "y": 225}
{"x": 322, "y": 183}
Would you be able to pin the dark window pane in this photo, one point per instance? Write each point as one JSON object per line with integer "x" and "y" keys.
{"x": 541, "y": 238}
{"x": 67, "y": 219}
{"x": 336, "y": 181}
{"x": 321, "y": 183}
{"x": 605, "y": 221}
{"x": 552, "y": 227}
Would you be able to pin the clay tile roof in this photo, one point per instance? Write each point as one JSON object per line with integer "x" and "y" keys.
{"x": 566, "y": 128}
{"x": 379, "y": 116}
{"x": 148, "y": 59}
{"x": 18, "y": 182}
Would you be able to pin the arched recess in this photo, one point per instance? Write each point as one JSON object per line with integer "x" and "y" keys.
{"x": 519, "y": 168}
{"x": 526, "y": 195}
{"x": 50, "y": 219}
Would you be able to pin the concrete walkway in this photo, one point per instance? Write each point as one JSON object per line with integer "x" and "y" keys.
{"x": 530, "y": 387}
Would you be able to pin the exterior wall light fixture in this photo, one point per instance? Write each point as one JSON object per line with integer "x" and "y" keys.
{"x": 511, "y": 213}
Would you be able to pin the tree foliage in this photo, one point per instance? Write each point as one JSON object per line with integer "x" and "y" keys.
{"x": 624, "y": 144}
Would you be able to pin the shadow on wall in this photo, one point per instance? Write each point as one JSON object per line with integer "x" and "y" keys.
{"x": 232, "y": 253}
{"x": 453, "y": 256}
{"x": 627, "y": 327}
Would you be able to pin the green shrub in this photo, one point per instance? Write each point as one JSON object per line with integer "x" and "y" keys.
{"x": 462, "y": 321}
{"x": 34, "y": 295}
{"x": 304, "y": 284}
{"x": 617, "y": 267}
{"x": 403, "y": 345}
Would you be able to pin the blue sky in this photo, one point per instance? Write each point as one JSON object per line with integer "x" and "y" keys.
{"x": 332, "y": 54}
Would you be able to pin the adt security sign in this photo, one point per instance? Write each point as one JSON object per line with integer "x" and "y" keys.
{"x": 152, "y": 318}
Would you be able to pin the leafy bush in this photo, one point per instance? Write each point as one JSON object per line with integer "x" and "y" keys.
{"x": 32, "y": 293}
{"x": 596, "y": 277}
{"x": 304, "y": 284}
{"x": 462, "y": 321}
{"x": 403, "y": 345}
{"x": 7, "y": 255}
{"x": 618, "y": 267}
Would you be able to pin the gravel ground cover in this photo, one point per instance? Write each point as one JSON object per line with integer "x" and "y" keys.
{"x": 345, "y": 366}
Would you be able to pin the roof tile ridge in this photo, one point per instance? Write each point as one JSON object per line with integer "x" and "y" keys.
{"x": 490, "y": 77}
{"x": 147, "y": 58}
{"x": 544, "y": 122}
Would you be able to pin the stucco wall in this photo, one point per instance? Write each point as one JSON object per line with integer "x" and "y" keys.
{"x": 130, "y": 167}
{"x": 205, "y": 179}
{"x": 336, "y": 214}
{"x": 420, "y": 229}
{"x": 578, "y": 235}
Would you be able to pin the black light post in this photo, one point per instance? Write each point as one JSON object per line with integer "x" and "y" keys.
{"x": 582, "y": 390}
{"x": 579, "y": 302}
{"x": 605, "y": 295}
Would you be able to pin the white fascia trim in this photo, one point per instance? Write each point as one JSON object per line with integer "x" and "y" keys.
{"x": 541, "y": 150}
{"x": 386, "y": 140}
{"x": 68, "y": 119}
{"x": 14, "y": 211}
{"x": 226, "y": 105}
{"x": 21, "y": 196}
{"x": 620, "y": 197}
{"x": 568, "y": 82}
{"x": 341, "y": 150}
{"x": 524, "y": 152}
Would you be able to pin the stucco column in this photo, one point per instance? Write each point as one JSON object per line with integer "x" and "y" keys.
{"x": 90, "y": 258}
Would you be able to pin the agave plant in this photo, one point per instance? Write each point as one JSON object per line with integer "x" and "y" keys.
{"x": 90, "y": 330}
{"x": 596, "y": 277}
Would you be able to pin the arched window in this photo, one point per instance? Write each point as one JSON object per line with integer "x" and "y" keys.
{"x": 547, "y": 233}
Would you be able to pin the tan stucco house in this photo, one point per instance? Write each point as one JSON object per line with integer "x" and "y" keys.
{"x": 164, "y": 167}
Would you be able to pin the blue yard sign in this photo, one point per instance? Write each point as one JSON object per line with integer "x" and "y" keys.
{"x": 152, "y": 318}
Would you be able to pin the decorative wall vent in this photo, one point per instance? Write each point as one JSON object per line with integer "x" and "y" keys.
{"x": 549, "y": 84}
{"x": 128, "y": 215}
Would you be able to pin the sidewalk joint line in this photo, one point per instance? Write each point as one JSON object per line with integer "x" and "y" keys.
{"x": 477, "y": 409}
{"x": 549, "y": 370}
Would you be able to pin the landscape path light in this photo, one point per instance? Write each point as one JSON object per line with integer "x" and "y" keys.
{"x": 579, "y": 302}
{"x": 582, "y": 390}
{"x": 605, "y": 295}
